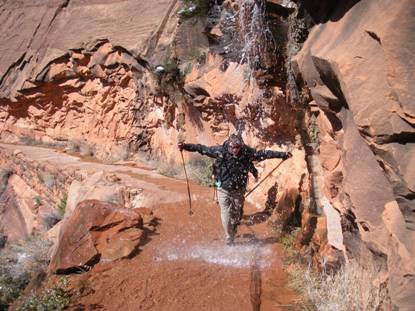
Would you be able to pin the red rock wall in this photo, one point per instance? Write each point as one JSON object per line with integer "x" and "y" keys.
{"x": 357, "y": 63}
{"x": 80, "y": 72}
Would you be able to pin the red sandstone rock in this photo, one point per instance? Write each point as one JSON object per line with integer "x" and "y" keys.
{"x": 96, "y": 231}
{"x": 356, "y": 62}
{"x": 21, "y": 214}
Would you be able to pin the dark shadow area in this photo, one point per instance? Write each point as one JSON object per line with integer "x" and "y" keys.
{"x": 322, "y": 11}
{"x": 149, "y": 231}
{"x": 294, "y": 218}
{"x": 270, "y": 204}
{"x": 328, "y": 75}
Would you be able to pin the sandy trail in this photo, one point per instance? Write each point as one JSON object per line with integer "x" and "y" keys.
{"x": 185, "y": 264}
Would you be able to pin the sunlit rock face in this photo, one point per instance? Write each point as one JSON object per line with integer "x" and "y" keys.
{"x": 82, "y": 73}
{"x": 358, "y": 65}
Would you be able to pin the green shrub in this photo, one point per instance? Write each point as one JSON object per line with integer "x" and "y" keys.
{"x": 172, "y": 72}
{"x": 62, "y": 205}
{"x": 288, "y": 242}
{"x": 56, "y": 298}
{"x": 38, "y": 200}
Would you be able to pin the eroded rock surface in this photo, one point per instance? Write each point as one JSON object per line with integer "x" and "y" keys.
{"x": 22, "y": 211}
{"x": 81, "y": 75}
{"x": 96, "y": 232}
{"x": 356, "y": 63}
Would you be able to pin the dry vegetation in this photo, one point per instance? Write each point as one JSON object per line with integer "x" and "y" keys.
{"x": 351, "y": 288}
{"x": 199, "y": 169}
{"x": 56, "y": 298}
{"x": 18, "y": 264}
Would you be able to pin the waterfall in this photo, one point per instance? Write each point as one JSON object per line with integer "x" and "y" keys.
{"x": 258, "y": 44}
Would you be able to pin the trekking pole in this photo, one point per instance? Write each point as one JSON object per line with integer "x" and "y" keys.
{"x": 215, "y": 194}
{"x": 269, "y": 174}
{"x": 187, "y": 181}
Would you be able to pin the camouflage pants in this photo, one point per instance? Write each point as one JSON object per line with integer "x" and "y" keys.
{"x": 231, "y": 210}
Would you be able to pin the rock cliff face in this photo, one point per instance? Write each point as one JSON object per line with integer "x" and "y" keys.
{"x": 330, "y": 81}
{"x": 357, "y": 64}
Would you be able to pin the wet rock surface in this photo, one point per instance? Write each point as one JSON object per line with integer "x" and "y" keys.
{"x": 99, "y": 241}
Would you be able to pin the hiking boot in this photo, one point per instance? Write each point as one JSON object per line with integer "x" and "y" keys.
{"x": 230, "y": 241}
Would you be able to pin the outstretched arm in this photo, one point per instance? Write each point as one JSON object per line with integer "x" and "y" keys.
{"x": 270, "y": 154}
{"x": 212, "y": 152}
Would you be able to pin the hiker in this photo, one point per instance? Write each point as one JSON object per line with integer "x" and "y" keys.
{"x": 234, "y": 160}
{"x": 216, "y": 172}
{"x": 216, "y": 177}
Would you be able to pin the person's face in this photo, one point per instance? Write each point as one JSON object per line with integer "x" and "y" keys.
{"x": 234, "y": 148}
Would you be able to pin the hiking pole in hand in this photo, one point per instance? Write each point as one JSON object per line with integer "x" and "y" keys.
{"x": 269, "y": 174}
{"x": 187, "y": 181}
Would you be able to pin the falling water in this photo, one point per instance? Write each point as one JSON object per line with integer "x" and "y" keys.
{"x": 259, "y": 46}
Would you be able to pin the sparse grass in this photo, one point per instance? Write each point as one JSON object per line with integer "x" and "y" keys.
{"x": 200, "y": 170}
{"x": 313, "y": 130}
{"x": 11, "y": 287}
{"x": 193, "y": 8}
{"x": 80, "y": 147}
{"x": 18, "y": 262}
{"x": 55, "y": 298}
{"x": 28, "y": 140}
{"x": 62, "y": 205}
{"x": 47, "y": 179}
{"x": 350, "y": 288}
{"x": 168, "y": 169}
{"x": 288, "y": 242}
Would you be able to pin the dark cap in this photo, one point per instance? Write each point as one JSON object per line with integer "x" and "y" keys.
{"x": 236, "y": 139}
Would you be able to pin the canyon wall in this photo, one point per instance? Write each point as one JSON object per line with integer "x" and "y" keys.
{"x": 357, "y": 65}
{"x": 331, "y": 82}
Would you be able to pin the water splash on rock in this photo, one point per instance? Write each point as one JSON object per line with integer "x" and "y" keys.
{"x": 258, "y": 42}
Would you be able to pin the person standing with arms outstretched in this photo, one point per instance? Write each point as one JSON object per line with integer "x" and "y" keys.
{"x": 234, "y": 161}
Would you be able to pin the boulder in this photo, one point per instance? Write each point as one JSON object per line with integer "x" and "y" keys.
{"x": 96, "y": 232}
{"x": 21, "y": 214}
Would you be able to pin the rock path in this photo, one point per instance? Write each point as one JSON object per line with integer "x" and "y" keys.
{"x": 185, "y": 264}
